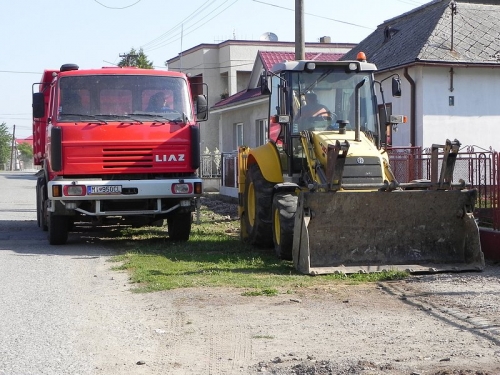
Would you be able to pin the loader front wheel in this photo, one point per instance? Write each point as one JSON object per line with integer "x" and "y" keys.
{"x": 257, "y": 204}
{"x": 284, "y": 208}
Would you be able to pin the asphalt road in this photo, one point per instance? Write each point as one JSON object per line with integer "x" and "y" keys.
{"x": 63, "y": 310}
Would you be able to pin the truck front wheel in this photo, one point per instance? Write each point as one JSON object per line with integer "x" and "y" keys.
{"x": 58, "y": 229}
{"x": 41, "y": 204}
{"x": 179, "y": 226}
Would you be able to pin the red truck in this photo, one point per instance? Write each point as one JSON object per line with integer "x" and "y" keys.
{"x": 117, "y": 146}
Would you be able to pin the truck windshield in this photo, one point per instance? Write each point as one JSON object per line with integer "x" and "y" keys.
{"x": 115, "y": 96}
{"x": 323, "y": 98}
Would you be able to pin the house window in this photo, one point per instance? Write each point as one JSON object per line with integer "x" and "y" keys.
{"x": 261, "y": 126}
{"x": 238, "y": 133}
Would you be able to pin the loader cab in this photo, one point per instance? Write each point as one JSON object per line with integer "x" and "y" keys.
{"x": 319, "y": 96}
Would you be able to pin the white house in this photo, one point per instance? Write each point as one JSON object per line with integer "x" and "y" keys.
{"x": 227, "y": 68}
{"x": 447, "y": 54}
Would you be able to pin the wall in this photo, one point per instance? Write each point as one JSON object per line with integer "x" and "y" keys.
{"x": 474, "y": 119}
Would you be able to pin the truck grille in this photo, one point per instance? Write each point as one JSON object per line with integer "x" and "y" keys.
{"x": 120, "y": 157}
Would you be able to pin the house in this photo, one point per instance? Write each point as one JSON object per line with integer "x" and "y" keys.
{"x": 238, "y": 112}
{"x": 228, "y": 68}
{"x": 244, "y": 116}
{"x": 447, "y": 54}
{"x": 28, "y": 140}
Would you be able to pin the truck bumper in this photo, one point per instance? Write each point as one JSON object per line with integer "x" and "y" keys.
{"x": 95, "y": 197}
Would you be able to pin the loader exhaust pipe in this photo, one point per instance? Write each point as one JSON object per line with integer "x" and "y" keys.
{"x": 357, "y": 119}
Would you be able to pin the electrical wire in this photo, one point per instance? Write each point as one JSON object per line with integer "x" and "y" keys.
{"x": 179, "y": 35}
{"x": 16, "y": 72}
{"x": 114, "y": 8}
{"x": 315, "y": 15}
{"x": 197, "y": 11}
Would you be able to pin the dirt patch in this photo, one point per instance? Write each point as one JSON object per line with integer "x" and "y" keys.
{"x": 444, "y": 324}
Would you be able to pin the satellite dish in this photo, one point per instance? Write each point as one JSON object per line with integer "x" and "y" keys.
{"x": 269, "y": 36}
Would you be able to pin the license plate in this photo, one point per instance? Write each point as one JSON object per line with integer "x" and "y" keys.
{"x": 104, "y": 190}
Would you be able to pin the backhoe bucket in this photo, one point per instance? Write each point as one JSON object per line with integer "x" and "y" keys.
{"x": 418, "y": 231}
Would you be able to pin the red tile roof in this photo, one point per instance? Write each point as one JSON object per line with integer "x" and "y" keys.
{"x": 239, "y": 97}
{"x": 28, "y": 140}
{"x": 270, "y": 58}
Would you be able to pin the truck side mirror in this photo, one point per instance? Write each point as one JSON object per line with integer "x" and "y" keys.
{"x": 396, "y": 87}
{"x": 38, "y": 105}
{"x": 265, "y": 84}
{"x": 201, "y": 108}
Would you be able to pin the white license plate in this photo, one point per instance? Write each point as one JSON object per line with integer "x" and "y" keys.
{"x": 104, "y": 190}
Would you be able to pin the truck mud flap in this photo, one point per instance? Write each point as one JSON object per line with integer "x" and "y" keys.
{"x": 417, "y": 231}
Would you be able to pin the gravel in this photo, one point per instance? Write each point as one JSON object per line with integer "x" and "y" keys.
{"x": 65, "y": 311}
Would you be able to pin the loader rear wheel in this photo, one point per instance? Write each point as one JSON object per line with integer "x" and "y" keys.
{"x": 284, "y": 208}
{"x": 179, "y": 226}
{"x": 258, "y": 199}
{"x": 58, "y": 229}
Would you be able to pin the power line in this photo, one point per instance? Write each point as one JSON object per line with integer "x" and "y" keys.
{"x": 125, "y": 7}
{"x": 411, "y": 2}
{"x": 198, "y": 10}
{"x": 315, "y": 15}
{"x": 181, "y": 34}
{"x": 18, "y": 72}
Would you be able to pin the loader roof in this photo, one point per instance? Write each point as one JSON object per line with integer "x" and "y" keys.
{"x": 300, "y": 65}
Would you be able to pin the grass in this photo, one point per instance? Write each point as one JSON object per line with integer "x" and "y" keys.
{"x": 215, "y": 257}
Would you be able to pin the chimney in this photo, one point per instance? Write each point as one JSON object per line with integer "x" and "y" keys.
{"x": 325, "y": 39}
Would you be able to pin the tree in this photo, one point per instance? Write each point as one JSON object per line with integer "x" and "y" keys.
{"x": 137, "y": 59}
{"x": 5, "y": 143}
{"x": 26, "y": 151}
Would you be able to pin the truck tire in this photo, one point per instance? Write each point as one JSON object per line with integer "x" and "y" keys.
{"x": 284, "y": 209}
{"x": 38, "y": 204}
{"x": 41, "y": 199}
{"x": 258, "y": 199}
{"x": 58, "y": 229}
{"x": 179, "y": 226}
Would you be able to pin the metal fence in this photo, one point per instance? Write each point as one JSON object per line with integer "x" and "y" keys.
{"x": 210, "y": 165}
{"x": 230, "y": 169}
{"x": 220, "y": 165}
{"x": 476, "y": 166}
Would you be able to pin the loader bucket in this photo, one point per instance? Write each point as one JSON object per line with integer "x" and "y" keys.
{"x": 417, "y": 231}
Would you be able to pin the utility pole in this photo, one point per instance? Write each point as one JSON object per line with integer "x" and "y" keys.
{"x": 300, "y": 46}
{"x": 12, "y": 147}
{"x": 128, "y": 56}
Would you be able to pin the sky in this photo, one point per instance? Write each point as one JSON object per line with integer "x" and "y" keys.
{"x": 40, "y": 35}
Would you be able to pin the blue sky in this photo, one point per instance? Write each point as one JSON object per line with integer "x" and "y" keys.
{"x": 92, "y": 33}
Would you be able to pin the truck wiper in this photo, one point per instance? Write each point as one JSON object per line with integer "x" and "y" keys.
{"x": 84, "y": 116}
{"x": 181, "y": 118}
{"x": 121, "y": 117}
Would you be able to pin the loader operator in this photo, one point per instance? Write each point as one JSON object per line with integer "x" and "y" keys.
{"x": 311, "y": 112}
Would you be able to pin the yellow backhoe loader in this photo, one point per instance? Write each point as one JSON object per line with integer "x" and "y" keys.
{"x": 322, "y": 193}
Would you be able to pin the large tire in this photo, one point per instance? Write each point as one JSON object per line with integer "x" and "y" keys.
{"x": 258, "y": 199}
{"x": 284, "y": 209}
{"x": 38, "y": 204}
{"x": 41, "y": 204}
{"x": 179, "y": 226}
{"x": 58, "y": 229}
